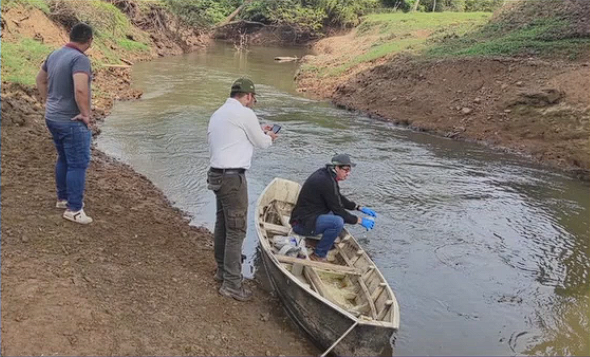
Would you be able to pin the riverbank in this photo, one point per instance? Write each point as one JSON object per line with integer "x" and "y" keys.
{"x": 519, "y": 85}
{"x": 139, "y": 280}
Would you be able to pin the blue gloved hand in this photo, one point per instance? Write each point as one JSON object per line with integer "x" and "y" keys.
{"x": 368, "y": 211}
{"x": 368, "y": 223}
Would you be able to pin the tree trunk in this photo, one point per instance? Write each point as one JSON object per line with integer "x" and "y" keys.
{"x": 233, "y": 14}
{"x": 434, "y": 6}
{"x": 416, "y": 4}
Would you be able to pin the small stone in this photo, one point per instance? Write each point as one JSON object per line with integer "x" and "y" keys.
{"x": 507, "y": 111}
{"x": 477, "y": 100}
{"x": 519, "y": 83}
{"x": 268, "y": 353}
{"x": 458, "y": 108}
{"x": 504, "y": 86}
{"x": 24, "y": 239}
{"x": 210, "y": 337}
{"x": 466, "y": 110}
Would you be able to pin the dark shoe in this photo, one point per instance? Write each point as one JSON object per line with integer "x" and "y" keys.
{"x": 218, "y": 276}
{"x": 317, "y": 259}
{"x": 241, "y": 294}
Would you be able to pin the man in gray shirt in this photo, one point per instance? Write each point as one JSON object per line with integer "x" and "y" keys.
{"x": 64, "y": 84}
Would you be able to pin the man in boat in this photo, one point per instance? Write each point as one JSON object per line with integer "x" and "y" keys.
{"x": 322, "y": 209}
{"x": 232, "y": 134}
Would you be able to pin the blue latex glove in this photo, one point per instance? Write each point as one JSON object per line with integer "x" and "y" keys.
{"x": 368, "y": 211}
{"x": 368, "y": 223}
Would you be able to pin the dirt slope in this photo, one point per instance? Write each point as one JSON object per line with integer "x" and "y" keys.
{"x": 138, "y": 281}
{"x": 531, "y": 106}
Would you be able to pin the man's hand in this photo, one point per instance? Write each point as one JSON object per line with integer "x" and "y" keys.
{"x": 266, "y": 128}
{"x": 367, "y": 223}
{"x": 368, "y": 211}
{"x": 83, "y": 118}
{"x": 272, "y": 135}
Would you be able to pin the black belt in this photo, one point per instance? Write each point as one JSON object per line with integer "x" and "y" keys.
{"x": 227, "y": 171}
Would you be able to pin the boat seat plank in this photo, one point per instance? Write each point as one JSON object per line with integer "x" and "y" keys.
{"x": 319, "y": 265}
{"x": 276, "y": 228}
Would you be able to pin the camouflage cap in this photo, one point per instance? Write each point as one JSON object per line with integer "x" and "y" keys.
{"x": 342, "y": 160}
{"x": 243, "y": 85}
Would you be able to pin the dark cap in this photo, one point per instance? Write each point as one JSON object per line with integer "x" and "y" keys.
{"x": 342, "y": 160}
{"x": 243, "y": 85}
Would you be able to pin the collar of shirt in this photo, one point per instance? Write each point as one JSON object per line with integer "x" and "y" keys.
{"x": 233, "y": 101}
{"x": 72, "y": 45}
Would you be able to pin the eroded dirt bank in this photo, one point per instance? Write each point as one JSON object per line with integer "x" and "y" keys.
{"x": 538, "y": 108}
{"x": 138, "y": 281}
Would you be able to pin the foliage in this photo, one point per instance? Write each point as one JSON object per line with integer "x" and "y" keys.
{"x": 202, "y": 13}
{"x": 313, "y": 14}
{"x": 483, "y": 5}
{"x": 445, "y": 5}
{"x": 21, "y": 60}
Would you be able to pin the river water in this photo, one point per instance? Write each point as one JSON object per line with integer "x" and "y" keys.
{"x": 487, "y": 254}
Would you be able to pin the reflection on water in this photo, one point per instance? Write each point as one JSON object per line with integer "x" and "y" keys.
{"x": 486, "y": 253}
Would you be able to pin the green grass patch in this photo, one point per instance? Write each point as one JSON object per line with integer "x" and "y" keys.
{"x": 132, "y": 46}
{"x": 407, "y": 23}
{"x": 42, "y": 5}
{"x": 21, "y": 60}
{"x": 393, "y": 33}
{"x": 376, "y": 52}
{"x": 543, "y": 37}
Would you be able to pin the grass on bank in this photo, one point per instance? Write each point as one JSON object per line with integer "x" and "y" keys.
{"x": 539, "y": 38}
{"x": 384, "y": 35}
{"x": 21, "y": 60}
{"x": 115, "y": 37}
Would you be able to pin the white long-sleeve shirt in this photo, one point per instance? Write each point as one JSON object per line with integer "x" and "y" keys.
{"x": 232, "y": 134}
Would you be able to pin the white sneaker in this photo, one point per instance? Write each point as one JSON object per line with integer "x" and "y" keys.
{"x": 62, "y": 204}
{"x": 78, "y": 217}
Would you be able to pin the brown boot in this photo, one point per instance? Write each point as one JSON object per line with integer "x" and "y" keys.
{"x": 241, "y": 294}
{"x": 317, "y": 259}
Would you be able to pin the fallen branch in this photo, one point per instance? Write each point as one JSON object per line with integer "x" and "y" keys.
{"x": 241, "y": 22}
{"x": 127, "y": 61}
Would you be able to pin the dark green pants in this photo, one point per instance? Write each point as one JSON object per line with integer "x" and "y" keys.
{"x": 231, "y": 192}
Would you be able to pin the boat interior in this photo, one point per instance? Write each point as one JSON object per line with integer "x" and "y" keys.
{"x": 348, "y": 279}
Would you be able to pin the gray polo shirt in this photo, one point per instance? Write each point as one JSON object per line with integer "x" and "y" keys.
{"x": 60, "y": 66}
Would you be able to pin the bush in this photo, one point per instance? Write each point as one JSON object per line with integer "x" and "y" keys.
{"x": 202, "y": 13}
{"x": 309, "y": 13}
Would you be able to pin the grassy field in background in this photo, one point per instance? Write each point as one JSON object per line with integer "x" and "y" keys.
{"x": 541, "y": 37}
{"x": 383, "y": 35}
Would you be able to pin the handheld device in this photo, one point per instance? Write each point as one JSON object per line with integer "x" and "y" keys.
{"x": 276, "y": 128}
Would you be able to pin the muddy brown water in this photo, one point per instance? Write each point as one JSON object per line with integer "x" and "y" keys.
{"x": 487, "y": 253}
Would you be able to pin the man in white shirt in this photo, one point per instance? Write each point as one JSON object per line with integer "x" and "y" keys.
{"x": 233, "y": 133}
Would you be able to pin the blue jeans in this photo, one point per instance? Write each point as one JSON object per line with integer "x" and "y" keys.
{"x": 329, "y": 226}
{"x": 72, "y": 142}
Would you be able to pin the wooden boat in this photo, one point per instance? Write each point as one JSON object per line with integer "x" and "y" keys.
{"x": 346, "y": 296}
